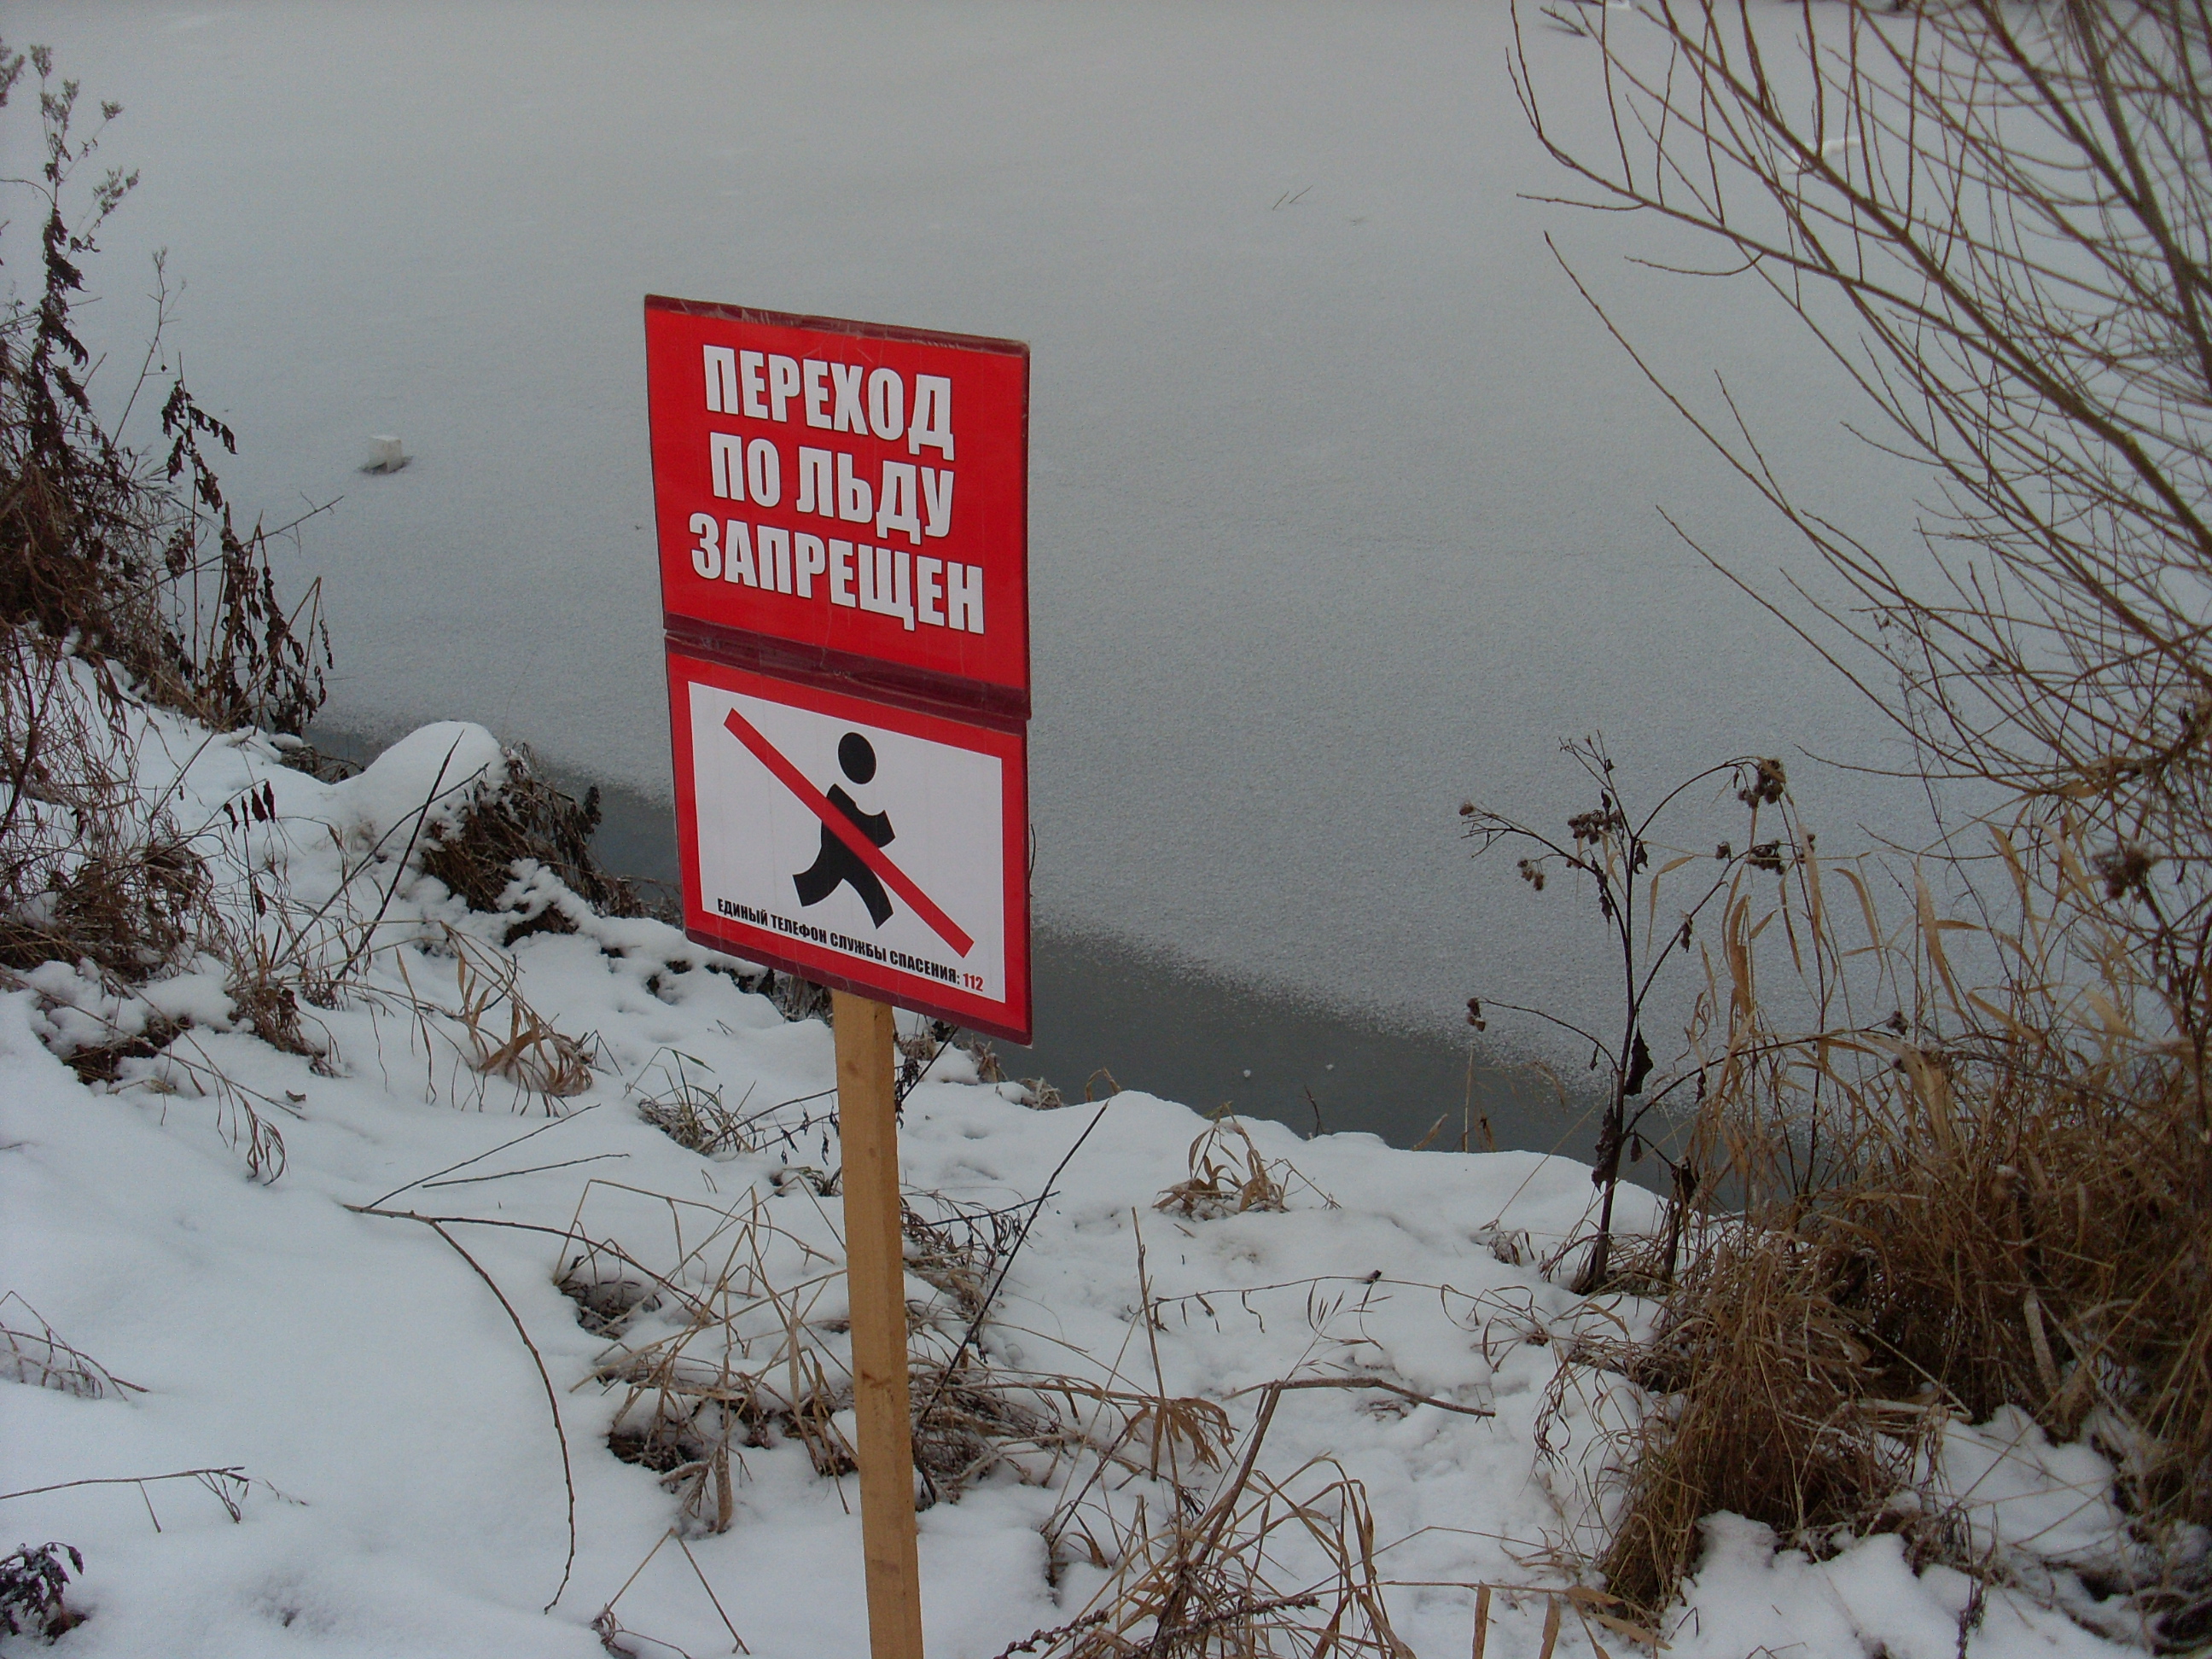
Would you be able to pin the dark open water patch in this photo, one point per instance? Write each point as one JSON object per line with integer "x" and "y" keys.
{"x": 1172, "y": 1029}
{"x": 1106, "y": 1010}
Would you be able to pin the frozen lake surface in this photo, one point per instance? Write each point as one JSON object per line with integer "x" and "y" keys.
{"x": 1112, "y": 1015}
{"x": 1344, "y": 504}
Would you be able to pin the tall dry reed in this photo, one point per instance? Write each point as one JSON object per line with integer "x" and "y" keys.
{"x": 1977, "y": 1178}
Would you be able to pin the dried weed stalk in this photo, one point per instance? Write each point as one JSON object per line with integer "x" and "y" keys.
{"x": 229, "y": 1486}
{"x": 688, "y": 1108}
{"x": 1229, "y": 1177}
{"x": 616, "y": 1639}
{"x": 1611, "y": 845}
{"x": 132, "y": 555}
{"x": 719, "y": 1349}
{"x": 33, "y": 1582}
{"x": 42, "y": 1360}
{"x": 1265, "y": 1567}
{"x": 89, "y": 868}
{"x": 530, "y": 1053}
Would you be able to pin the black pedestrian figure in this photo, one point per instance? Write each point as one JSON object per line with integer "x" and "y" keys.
{"x": 837, "y": 863}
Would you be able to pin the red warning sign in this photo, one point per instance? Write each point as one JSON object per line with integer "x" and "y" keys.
{"x": 878, "y": 848}
{"x": 842, "y": 513}
{"x": 844, "y": 498}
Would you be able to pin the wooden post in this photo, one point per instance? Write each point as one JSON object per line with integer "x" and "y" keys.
{"x": 875, "y": 1272}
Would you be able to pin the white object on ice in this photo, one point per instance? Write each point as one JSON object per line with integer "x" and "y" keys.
{"x": 1832, "y": 148}
{"x": 387, "y": 454}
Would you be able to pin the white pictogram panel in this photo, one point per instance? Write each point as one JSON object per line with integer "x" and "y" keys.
{"x": 855, "y": 842}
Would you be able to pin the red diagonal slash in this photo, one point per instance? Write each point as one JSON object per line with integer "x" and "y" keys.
{"x": 849, "y": 832}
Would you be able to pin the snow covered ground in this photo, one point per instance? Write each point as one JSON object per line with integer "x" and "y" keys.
{"x": 398, "y": 1484}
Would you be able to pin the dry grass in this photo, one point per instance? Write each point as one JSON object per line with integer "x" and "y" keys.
{"x": 1264, "y": 1567}
{"x": 688, "y": 1108}
{"x": 1977, "y": 1180}
{"x": 89, "y": 870}
{"x": 798, "y": 999}
{"x": 99, "y": 871}
{"x": 716, "y": 1351}
{"x": 543, "y": 1063}
{"x": 1766, "y": 1380}
{"x": 268, "y": 984}
{"x": 532, "y": 1054}
{"x": 734, "y": 1341}
{"x": 972, "y": 1416}
{"x": 1203, "y": 1551}
{"x": 41, "y": 1359}
{"x": 724, "y": 1336}
{"x": 1229, "y": 1177}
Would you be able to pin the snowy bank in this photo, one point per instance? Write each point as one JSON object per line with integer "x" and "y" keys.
{"x": 279, "y": 1308}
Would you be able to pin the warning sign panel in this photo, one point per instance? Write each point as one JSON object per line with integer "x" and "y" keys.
{"x": 844, "y": 497}
{"x": 859, "y": 844}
